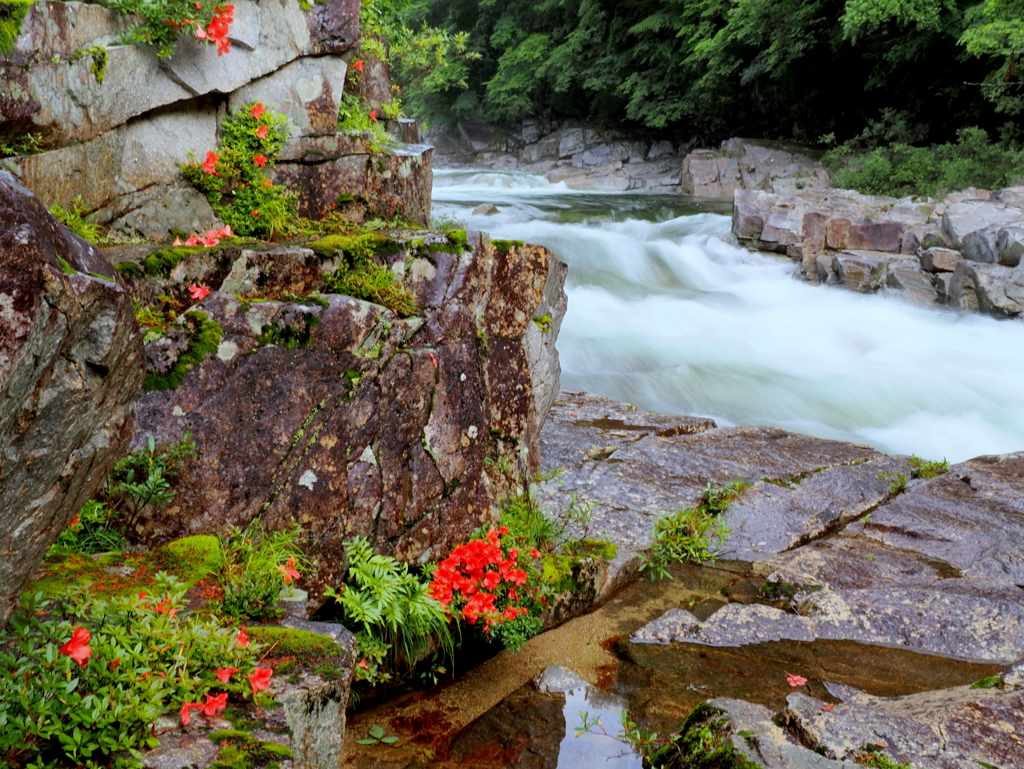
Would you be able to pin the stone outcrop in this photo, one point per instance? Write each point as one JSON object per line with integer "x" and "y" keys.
{"x": 963, "y": 251}
{"x": 353, "y": 421}
{"x": 582, "y": 157}
{"x": 742, "y": 164}
{"x": 71, "y": 366}
{"x": 850, "y": 546}
{"x": 117, "y": 146}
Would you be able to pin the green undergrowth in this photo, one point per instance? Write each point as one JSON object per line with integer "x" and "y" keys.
{"x": 874, "y": 757}
{"x": 504, "y": 246}
{"x": 691, "y": 534}
{"x": 301, "y": 644}
{"x": 901, "y": 169}
{"x": 360, "y": 275}
{"x": 204, "y": 338}
{"x": 241, "y": 750}
{"x": 12, "y": 14}
{"x": 923, "y": 468}
{"x": 290, "y": 337}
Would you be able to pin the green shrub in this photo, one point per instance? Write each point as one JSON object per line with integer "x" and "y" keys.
{"x": 693, "y": 534}
{"x": 254, "y": 567}
{"x": 924, "y": 468}
{"x": 141, "y": 660}
{"x": 901, "y": 169}
{"x": 390, "y": 612}
{"x": 74, "y": 219}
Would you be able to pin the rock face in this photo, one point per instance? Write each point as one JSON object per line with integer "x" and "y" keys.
{"x": 355, "y": 422}
{"x": 117, "y": 146}
{"x": 71, "y": 366}
{"x": 742, "y": 164}
{"x": 850, "y": 547}
{"x": 962, "y": 251}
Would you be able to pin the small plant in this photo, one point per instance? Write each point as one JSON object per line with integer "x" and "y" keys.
{"x": 692, "y": 534}
{"x": 84, "y": 678}
{"x": 895, "y": 483}
{"x": 255, "y": 566}
{"x": 641, "y": 741}
{"x": 543, "y": 322}
{"x": 375, "y": 735}
{"x": 926, "y": 469}
{"x": 74, "y": 219}
{"x": 90, "y": 532}
{"x": 872, "y": 755}
{"x": 233, "y": 179}
{"x": 989, "y": 682}
{"x": 391, "y": 612}
{"x": 355, "y": 116}
{"x": 143, "y": 477}
{"x": 27, "y": 144}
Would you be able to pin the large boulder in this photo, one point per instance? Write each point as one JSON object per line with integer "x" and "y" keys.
{"x": 351, "y": 420}
{"x": 71, "y": 366}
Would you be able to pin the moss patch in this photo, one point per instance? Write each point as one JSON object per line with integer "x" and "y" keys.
{"x": 205, "y": 339}
{"x": 163, "y": 260}
{"x": 129, "y": 269}
{"x": 300, "y": 644}
{"x": 356, "y": 248}
{"x": 288, "y": 336}
{"x": 240, "y": 750}
{"x": 374, "y": 283}
{"x": 703, "y": 743}
{"x": 194, "y": 557}
{"x": 12, "y": 14}
{"x": 99, "y": 57}
{"x": 504, "y": 246}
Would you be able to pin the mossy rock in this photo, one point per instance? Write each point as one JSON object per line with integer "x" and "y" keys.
{"x": 241, "y": 750}
{"x": 205, "y": 336}
{"x": 358, "y": 248}
{"x": 163, "y": 260}
{"x": 288, "y": 336}
{"x": 704, "y": 742}
{"x": 504, "y": 246}
{"x": 301, "y": 644}
{"x": 591, "y": 548}
{"x": 197, "y": 556}
{"x": 12, "y": 14}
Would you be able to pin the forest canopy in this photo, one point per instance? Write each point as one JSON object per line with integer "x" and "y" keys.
{"x": 917, "y": 70}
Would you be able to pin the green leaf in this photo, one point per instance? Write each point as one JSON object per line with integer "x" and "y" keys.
{"x": 389, "y": 740}
{"x": 369, "y": 741}
{"x": 376, "y": 731}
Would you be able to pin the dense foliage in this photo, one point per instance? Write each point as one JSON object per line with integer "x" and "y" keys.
{"x": 711, "y": 68}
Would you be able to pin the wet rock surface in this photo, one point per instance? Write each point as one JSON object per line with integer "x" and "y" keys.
{"x": 71, "y": 366}
{"x": 338, "y": 413}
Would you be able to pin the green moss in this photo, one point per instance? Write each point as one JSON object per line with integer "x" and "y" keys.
{"x": 543, "y": 322}
{"x": 288, "y": 336}
{"x": 66, "y": 268}
{"x": 703, "y": 743}
{"x": 327, "y": 671}
{"x": 358, "y": 249}
{"x": 196, "y": 556}
{"x": 374, "y": 283}
{"x": 12, "y": 14}
{"x": 129, "y": 269}
{"x": 301, "y": 644}
{"x": 206, "y": 335}
{"x": 990, "y": 682}
{"x": 99, "y": 57}
{"x": 163, "y": 260}
{"x": 591, "y": 548}
{"x": 458, "y": 239}
{"x": 241, "y": 750}
{"x": 504, "y": 246}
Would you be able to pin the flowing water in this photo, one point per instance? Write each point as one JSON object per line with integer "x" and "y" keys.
{"x": 664, "y": 312}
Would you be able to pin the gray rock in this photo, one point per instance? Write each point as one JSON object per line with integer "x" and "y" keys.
{"x": 1012, "y": 678}
{"x": 182, "y": 752}
{"x": 308, "y": 91}
{"x": 939, "y": 259}
{"x": 988, "y": 288}
{"x": 962, "y": 218}
{"x": 70, "y": 368}
{"x": 1010, "y": 245}
{"x": 154, "y": 212}
{"x": 486, "y": 209}
{"x": 861, "y": 270}
{"x": 912, "y": 283}
{"x": 674, "y": 625}
{"x": 980, "y": 245}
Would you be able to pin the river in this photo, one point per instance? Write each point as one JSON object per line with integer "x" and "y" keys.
{"x": 666, "y": 313}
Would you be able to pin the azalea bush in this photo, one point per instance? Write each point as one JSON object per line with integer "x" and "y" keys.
{"x": 162, "y": 23}
{"x": 254, "y": 566}
{"x": 234, "y": 179}
{"x": 84, "y": 678}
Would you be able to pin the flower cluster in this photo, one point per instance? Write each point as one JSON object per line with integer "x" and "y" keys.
{"x": 210, "y": 239}
{"x": 233, "y": 177}
{"x": 217, "y": 30}
{"x": 161, "y": 23}
{"x": 482, "y": 581}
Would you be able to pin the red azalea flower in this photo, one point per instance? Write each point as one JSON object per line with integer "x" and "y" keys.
{"x": 193, "y": 241}
{"x": 255, "y": 213}
{"x": 224, "y": 674}
{"x": 261, "y": 132}
{"x": 210, "y": 163}
{"x": 214, "y": 705}
{"x": 177, "y": 242}
{"x": 795, "y": 680}
{"x": 373, "y": 114}
{"x": 243, "y": 639}
{"x": 289, "y": 571}
{"x": 258, "y": 110}
{"x": 266, "y": 184}
{"x": 225, "y": 231}
{"x": 201, "y": 34}
{"x": 198, "y": 292}
{"x": 74, "y": 520}
{"x": 260, "y": 679}
{"x": 186, "y": 716}
{"x": 259, "y": 160}
{"x": 357, "y": 65}
{"x": 78, "y": 647}
{"x": 114, "y": 665}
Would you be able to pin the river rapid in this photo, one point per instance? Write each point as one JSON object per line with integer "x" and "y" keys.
{"x": 666, "y": 313}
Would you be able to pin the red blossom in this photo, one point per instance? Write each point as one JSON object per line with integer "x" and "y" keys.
{"x": 224, "y": 674}
{"x": 259, "y": 160}
{"x": 198, "y": 292}
{"x": 261, "y": 132}
{"x": 259, "y": 679}
{"x": 225, "y": 231}
{"x": 242, "y": 639}
{"x": 255, "y": 213}
{"x": 186, "y": 716}
{"x": 74, "y": 521}
{"x": 357, "y": 65}
{"x": 288, "y": 571}
{"x": 214, "y": 705}
{"x": 258, "y": 110}
{"x": 193, "y": 241}
{"x": 373, "y": 115}
{"x": 177, "y": 242}
{"x": 201, "y": 34}
{"x": 78, "y": 647}
{"x": 210, "y": 163}
{"x": 795, "y": 680}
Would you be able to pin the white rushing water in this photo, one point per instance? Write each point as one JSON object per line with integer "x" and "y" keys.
{"x": 665, "y": 313}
